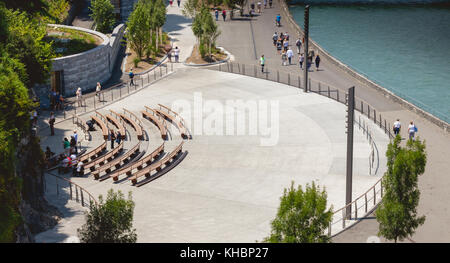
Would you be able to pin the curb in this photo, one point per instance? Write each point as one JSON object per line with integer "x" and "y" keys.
{"x": 213, "y": 63}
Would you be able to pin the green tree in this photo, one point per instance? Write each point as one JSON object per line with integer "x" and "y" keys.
{"x": 191, "y": 8}
{"x": 302, "y": 216}
{"x": 24, "y": 42}
{"x": 110, "y": 221}
{"x": 103, "y": 15}
{"x": 138, "y": 28}
{"x": 397, "y": 214}
{"x": 57, "y": 10}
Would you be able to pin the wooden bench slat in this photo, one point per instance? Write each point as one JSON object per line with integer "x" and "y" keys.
{"x": 102, "y": 158}
{"x": 158, "y": 122}
{"x": 116, "y": 161}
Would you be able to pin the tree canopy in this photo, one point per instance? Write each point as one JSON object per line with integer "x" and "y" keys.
{"x": 110, "y": 221}
{"x": 103, "y": 15}
{"x": 302, "y": 216}
{"x": 397, "y": 214}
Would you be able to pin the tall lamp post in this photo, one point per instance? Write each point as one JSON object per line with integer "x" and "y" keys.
{"x": 350, "y": 118}
{"x": 306, "y": 28}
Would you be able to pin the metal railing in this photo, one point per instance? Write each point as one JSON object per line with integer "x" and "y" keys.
{"x": 295, "y": 80}
{"x": 75, "y": 192}
{"x": 94, "y": 100}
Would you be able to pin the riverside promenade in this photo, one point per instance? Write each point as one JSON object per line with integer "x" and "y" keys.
{"x": 248, "y": 39}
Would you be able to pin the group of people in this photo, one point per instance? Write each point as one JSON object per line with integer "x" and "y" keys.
{"x": 178, "y": 2}
{"x": 71, "y": 162}
{"x": 412, "y": 129}
{"x": 176, "y": 53}
{"x": 56, "y": 100}
{"x": 70, "y": 147}
{"x": 224, "y": 14}
{"x": 281, "y": 42}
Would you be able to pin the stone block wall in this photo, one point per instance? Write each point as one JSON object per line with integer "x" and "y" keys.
{"x": 85, "y": 69}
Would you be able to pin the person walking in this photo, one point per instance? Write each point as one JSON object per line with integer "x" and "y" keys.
{"x": 131, "y": 75}
{"x": 308, "y": 63}
{"x": 412, "y": 129}
{"x": 286, "y": 36}
{"x": 176, "y": 53}
{"x": 259, "y": 7}
{"x": 51, "y": 121}
{"x": 270, "y": 3}
{"x": 275, "y": 38}
{"x": 66, "y": 146}
{"x": 301, "y": 58}
{"x": 97, "y": 90}
{"x": 224, "y": 14}
{"x": 263, "y": 62}
{"x": 112, "y": 138}
{"x": 397, "y": 126}
{"x": 265, "y": 4}
{"x": 216, "y": 13}
{"x": 169, "y": 55}
{"x": 317, "y": 62}
{"x": 75, "y": 136}
{"x": 283, "y": 58}
{"x": 289, "y": 55}
{"x": 79, "y": 97}
{"x": 73, "y": 144}
{"x": 278, "y": 20}
{"x": 285, "y": 44}
{"x": 178, "y": 2}
{"x": 279, "y": 45}
{"x": 170, "y": 2}
{"x": 298, "y": 44}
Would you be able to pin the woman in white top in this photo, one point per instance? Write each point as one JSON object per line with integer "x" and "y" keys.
{"x": 79, "y": 97}
{"x": 412, "y": 130}
{"x": 97, "y": 90}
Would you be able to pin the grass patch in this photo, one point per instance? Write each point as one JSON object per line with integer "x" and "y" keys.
{"x": 67, "y": 41}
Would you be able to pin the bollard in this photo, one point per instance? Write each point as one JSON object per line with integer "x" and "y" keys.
{"x": 328, "y": 91}
{"x": 380, "y": 122}
{"x": 154, "y": 74}
{"x": 239, "y": 68}
{"x": 343, "y": 218}
{"x": 381, "y": 188}
{"x": 289, "y": 79}
{"x": 374, "y": 116}
{"x": 160, "y": 71}
{"x": 385, "y": 127}
{"x": 368, "y": 111}
{"x": 82, "y": 199}
{"x": 278, "y": 76}
{"x": 148, "y": 78}
{"x": 254, "y": 67}
{"x": 70, "y": 184}
{"x": 356, "y": 210}
{"x": 374, "y": 196}
{"x": 112, "y": 95}
{"x": 362, "y": 107}
{"x": 231, "y": 67}
{"x": 337, "y": 95}
{"x": 309, "y": 84}
{"x": 319, "y": 87}
{"x": 76, "y": 193}
{"x": 243, "y": 69}
{"x": 299, "y": 85}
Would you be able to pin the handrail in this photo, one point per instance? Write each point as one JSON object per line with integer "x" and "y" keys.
{"x": 76, "y": 120}
{"x": 81, "y": 199}
{"x": 370, "y": 113}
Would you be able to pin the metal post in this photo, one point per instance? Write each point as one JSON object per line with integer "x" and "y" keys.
{"x": 306, "y": 29}
{"x": 356, "y": 210}
{"x": 278, "y": 76}
{"x": 160, "y": 71}
{"x": 337, "y": 96}
{"x": 385, "y": 127}
{"x": 239, "y": 68}
{"x": 374, "y": 196}
{"x": 328, "y": 91}
{"x": 76, "y": 192}
{"x": 267, "y": 74}
{"x": 243, "y": 69}
{"x": 319, "y": 87}
{"x": 289, "y": 79}
{"x": 231, "y": 67}
{"x": 82, "y": 199}
{"x": 362, "y": 108}
{"x": 154, "y": 74}
{"x": 350, "y": 118}
{"x": 112, "y": 95}
{"x": 368, "y": 111}
{"x": 365, "y": 201}
{"x": 380, "y": 121}
{"x": 299, "y": 85}
{"x": 255, "y": 70}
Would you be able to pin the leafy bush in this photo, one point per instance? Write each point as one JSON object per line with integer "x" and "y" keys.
{"x": 110, "y": 221}
{"x": 103, "y": 15}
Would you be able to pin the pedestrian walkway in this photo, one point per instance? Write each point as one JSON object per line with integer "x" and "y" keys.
{"x": 247, "y": 40}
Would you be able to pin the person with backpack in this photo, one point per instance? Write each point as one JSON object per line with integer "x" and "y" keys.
{"x": 278, "y": 20}
{"x": 131, "y": 75}
{"x": 224, "y": 14}
{"x": 412, "y": 129}
{"x": 270, "y": 3}
{"x": 301, "y": 58}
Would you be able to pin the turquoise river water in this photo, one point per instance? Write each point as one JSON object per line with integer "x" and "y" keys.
{"x": 405, "y": 49}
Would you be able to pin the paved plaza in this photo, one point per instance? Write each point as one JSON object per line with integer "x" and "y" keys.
{"x": 227, "y": 188}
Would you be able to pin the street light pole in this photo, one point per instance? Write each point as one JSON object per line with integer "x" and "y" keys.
{"x": 350, "y": 118}
{"x": 306, "y": 37}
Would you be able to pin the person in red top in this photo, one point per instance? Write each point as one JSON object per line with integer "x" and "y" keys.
{"x": 224, "y": 14}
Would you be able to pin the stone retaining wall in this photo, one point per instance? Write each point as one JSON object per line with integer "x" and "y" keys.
{"x": 388, "y": 94}
{"x": 85, "y": 69}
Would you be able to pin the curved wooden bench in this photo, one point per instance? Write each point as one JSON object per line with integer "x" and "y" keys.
{"x": 158, "y": 165}
{"x": 116, "y": 162}
{"x": 104, "y": 158}
{"x": 117, "y": 123}
{"x": 137, "y": 127}
{"x": 173, "y": 118}
{"x": 94, "y": 153}
{"x": 102, "y": 124}
{"x": 153, "y": 116}
{"x": 139, "y": 164}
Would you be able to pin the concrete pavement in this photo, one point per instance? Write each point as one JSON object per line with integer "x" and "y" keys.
{"x": 249, "y": 39}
